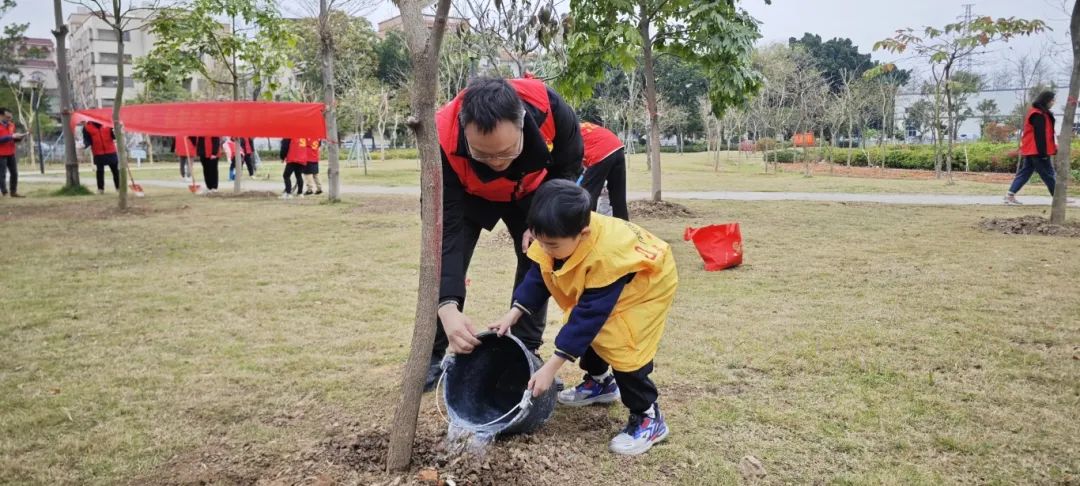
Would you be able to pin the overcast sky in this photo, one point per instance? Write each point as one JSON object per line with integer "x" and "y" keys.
{"x": 864, "y": 21}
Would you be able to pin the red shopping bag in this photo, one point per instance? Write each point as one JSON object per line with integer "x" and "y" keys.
{"x": 720, "y": 245}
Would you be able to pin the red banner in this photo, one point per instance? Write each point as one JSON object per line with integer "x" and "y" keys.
{"x": 221, "y": 118}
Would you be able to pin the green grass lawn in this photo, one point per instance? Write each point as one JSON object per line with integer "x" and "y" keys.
{"x": 682, "y": 172}
{"x": 215, "y": 338}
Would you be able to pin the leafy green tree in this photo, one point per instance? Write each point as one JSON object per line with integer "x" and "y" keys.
{"x": 716, "y": 35}
{"x": 393, "y": 57}
{"x": 834, "y": 57}
{"x": 9, "y": 40}
{"x": 354, "y": 51}
{"x": 253, "y": 46}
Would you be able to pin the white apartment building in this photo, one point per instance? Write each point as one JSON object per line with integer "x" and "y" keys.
{"x": 36, "y": 58}
{"x": 93, "y": 56}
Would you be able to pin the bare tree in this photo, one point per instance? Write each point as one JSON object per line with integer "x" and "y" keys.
{"x": 118, "y": 17}
{"x": 326, "y": 57}
{"x": 518, "y": 30}
{"x": 71, "y": 162}
{"x": 1057, "y": 211}
{"x": 424, "y": 45}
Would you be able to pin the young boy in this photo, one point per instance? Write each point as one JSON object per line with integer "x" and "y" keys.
{"x": 615, "y": 283}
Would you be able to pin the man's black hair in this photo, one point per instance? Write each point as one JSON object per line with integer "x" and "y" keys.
{"x": 560, "y": 209}
{"x": 1042, "y": 101}
{"x": 488, "y": 101}
{"x": 4, "y": 110}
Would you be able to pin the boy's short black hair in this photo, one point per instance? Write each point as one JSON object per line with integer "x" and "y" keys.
{"x": 560, "y": 209}
{"x": 4, "y": 110}
{"x": 488, "y": 101}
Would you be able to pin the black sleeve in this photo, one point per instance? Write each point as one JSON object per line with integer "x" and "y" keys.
{"x": 284, "y": 148}
{"x": 452, "y": 280}
{"x": 568, "y": 149}
{"x": 1038, "y": 126}
{"x": 86, "y": 137}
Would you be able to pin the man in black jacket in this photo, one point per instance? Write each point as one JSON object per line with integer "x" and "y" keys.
{"x": 500, "y": 139}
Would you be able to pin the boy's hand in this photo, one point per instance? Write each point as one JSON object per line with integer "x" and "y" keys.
{"x": 502, "y": 325}
{"x": 459, "y": 330}
{"x": 541, "y": 381}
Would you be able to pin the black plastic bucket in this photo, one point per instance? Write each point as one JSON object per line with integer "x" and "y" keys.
{"x": 486, "y": 390}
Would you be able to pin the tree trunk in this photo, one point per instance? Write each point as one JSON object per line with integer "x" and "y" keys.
{"x": 650, "y": 98}
{"x": 118, "y": 126}
{"x": 950, "y": 120}
{"x": 850, "y": 149}
{"x": 333, "y": 171}
{"x": 936, "y": 129}
{"x": 238, "y": 177}
{"x": 71, "y": 161}
{"x": 1057, "y": 211}
{"x": 425, "y": 65}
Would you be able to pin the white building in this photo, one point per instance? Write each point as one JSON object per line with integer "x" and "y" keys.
{"x": 93, "y": 55}
{"x": 1007, "y": 101}
{"x": 37, "y": 68}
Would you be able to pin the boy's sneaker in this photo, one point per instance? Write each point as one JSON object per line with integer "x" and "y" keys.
{"x": 641, "y": 432}
{"x": 318, "y": 192}
{"x": 590, "y": 391}
{"x": 1010, "y": 200}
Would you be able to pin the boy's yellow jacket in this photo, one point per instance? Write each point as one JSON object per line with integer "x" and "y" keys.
{"x": 613, "y": 249}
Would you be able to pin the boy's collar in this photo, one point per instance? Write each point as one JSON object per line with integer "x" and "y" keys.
{"x": 585, "y": 246}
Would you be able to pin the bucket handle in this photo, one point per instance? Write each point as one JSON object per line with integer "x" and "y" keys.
{"x": 525, "y": 404}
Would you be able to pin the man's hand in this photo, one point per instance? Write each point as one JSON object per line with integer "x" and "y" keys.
{"x": 541, "y": 381}
{"x": 502, "y": 325}
{"x": 526, "y": 240}
{"x": 459, "y": 330}
{"x": 18, "y": 136}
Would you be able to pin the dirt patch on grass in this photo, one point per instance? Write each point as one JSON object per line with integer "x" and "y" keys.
{"x": 1030, "y": 225}
{"x": 81, "y": 210}
{"x": 388, "y": 205}
{"x": 244, "y": 195}
{"x": 822, "y": 168}
{"x": 355, "y": 453}
{"x": 662, "y": 209}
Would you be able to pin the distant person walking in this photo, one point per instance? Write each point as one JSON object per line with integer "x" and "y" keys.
{"x": 1037, "y": 147}
{"x": 294, "y": 153}
{"x": 102, "y": 143}
{"x": 605, "y": 165}
{"x": 311, "y": 170}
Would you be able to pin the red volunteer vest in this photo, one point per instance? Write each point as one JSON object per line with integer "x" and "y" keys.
{"x": 313, "y": 151}
{"x": 499, "y": 189}
{"x": 184, "y": 148}
{"x": 599, "y": 143}
{"x": 101, "y": 142}
{"x": 1027, "y": 141}
{"x": 298, "y": 151}
{"x": 7, "y": 148}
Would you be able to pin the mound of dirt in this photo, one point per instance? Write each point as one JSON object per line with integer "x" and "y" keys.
{"x": 662, "y": 209}
{"x": 244, "y": 195}
{"x": 355, "y": 453}
{"x": 1030, "y": 225}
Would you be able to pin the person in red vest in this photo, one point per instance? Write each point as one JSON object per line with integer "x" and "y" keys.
{"x": 208, "y": 149}
{"x": 311, "y": 170}
{"x": 102, "y": 143}
{"x": 500, "y": 139}
{"x": 294, "y": 154}
{"x": 245, "y": 146}
{"x": 605, "y": 164}
{"x": 1037, "y": 146}
{"x": 185, "y": 151}
{"x": 8, "y": 164}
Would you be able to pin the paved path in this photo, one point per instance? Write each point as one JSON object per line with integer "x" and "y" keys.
{"x": 919, "y": 199}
